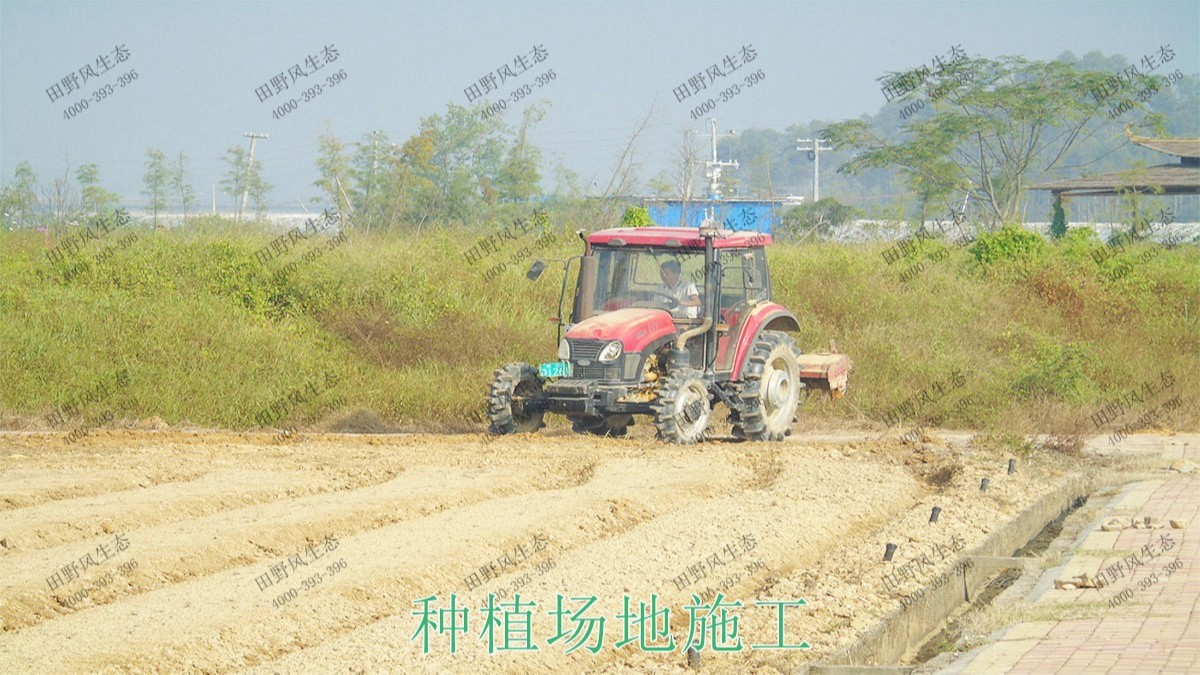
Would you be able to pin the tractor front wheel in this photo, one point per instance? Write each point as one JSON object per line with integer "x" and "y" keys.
{"x": 608, "y": 425}
{"x": 516, "y": 400}
{"x": 772, "y": 389}
{"x": 683, "y": 409}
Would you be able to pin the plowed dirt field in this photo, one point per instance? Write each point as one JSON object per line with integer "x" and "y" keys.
{"x": 168, "y": 551}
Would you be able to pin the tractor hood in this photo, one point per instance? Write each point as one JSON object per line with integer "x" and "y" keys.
{"x": 635, "y": 327}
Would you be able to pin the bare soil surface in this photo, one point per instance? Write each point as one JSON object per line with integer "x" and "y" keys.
{"x": 193, "y": 524}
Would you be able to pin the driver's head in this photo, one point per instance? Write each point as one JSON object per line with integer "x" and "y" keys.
{"x": 670, "y": 272}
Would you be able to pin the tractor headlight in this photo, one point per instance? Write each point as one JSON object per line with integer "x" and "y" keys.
{"x": 610, "y": 353}
{"x": 564, "y": 350}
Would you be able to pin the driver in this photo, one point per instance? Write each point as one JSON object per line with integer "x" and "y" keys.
{"x": 686, "y": 296}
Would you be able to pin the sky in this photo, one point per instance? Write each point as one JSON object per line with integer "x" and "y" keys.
{"x": 203, "y": 72}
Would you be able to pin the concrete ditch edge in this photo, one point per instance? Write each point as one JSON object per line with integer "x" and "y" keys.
{"x": 906, "y": 627}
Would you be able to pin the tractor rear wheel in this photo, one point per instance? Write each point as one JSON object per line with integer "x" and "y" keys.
{"x": 771, "y": 391}
{"x": 608, "y": 425}
{"x": 683, "y": 409}
{"x": 513, "y": 400}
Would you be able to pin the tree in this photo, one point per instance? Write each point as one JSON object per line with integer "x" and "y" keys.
{"x": 687, "y": 166}
{"x": 519, "y": 179}
{"x": 566, "y": 182}
{"x": 259, "y": 189}
{"x": 235, "y": 176}
{"x": 334, "y": 168}
{"x": 661, "y": 185}
{"x": 18, "y": 203}
{"x": 995, "y": 126}
{"x": 61, "y": 200}
{"x": 624, "y": 177}
{"x": 1058, "y": 223}
{"x": 468, "y": 151}
{"x": 370, "y": 179}
{"x": 1131, "y": 196}
{"x": 96, "y": 200}
{"x": 449, "y": 169}
{"x": 187, "y": 196}
{"x": 411, "y": 190}
{"x": 157, "y": 179}
{"x": 241, "y": 178}
{"x": 820, "y": 218}
{"x": 761, "y": 153}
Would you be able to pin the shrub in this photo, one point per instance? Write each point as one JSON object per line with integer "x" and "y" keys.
{"x": 1057, "y": 371}
{"x": 821, "y": 217}
{"x": 1009, "y": 243}
{"x": 637, "y": 216}
{"x": 1077, "y": 246}
{"x": 1058, "y": 223}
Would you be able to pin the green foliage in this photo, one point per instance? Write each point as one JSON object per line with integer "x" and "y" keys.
{"x": 1078, "y": 243}
{"x": 96, "y": 200}
{"x": 212, "y": 335}
{"x": 234, "y": 179}
{"x": 820, "y": 218}
{"x": 1057, "y": 371}
{"x": 1009, "y": 442}
{"x": 1009, "y": 243}
{"x": 1058, "y": 221}
{"x": 157, "y": 179}
{"x": 182, "y": 189}
{"x": 995, "y": 125}
{"x": 661, "y": 185}
{"x": 566, "y": 183}
{"x": 458, "y": 171}
{"x": 770, "y": 164}
{"x": 370, "y": 180}
{"x": 519, "y": 179}
{"x": 637, "y": 216}
{"x": 334, "y": 169}
{"x": 241, "y": 179}
{"x": 458, "y": 168}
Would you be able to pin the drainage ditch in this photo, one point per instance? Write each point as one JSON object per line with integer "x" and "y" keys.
{"x": 951, "y": 634}
{"x": 994, "y": 566}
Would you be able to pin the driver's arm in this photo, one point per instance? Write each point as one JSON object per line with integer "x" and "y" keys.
{"x": 693, "y": 297}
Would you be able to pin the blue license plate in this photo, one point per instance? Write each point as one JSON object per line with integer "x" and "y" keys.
{"x": 555, "y": 369}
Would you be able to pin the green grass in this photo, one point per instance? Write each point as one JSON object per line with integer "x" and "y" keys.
{"x": 413, "y": 332}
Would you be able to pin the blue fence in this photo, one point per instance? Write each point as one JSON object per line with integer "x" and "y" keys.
{"x": 751, "y": 216}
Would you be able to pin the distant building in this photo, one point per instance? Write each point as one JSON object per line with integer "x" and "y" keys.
{"x": 1176, "y": 178}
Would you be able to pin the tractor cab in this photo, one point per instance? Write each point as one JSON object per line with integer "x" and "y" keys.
{"x": 654, "y": 268}
{"x": 666, "y": 322}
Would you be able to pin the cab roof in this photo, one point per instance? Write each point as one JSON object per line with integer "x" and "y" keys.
{"x": 682, "y": 237}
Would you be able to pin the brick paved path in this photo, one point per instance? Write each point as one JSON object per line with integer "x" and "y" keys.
{"x": 1147, "y": 615}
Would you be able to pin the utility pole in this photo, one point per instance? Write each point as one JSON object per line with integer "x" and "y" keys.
{"x": 249, "y": 163}
{"x": 813, "y": 146}
{"x": 715, "y": 166}
{"x": 214, "y": 198}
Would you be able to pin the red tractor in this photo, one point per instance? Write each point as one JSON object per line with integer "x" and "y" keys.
{"x": 667, "y": 322}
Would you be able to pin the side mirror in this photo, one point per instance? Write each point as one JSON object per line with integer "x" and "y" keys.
{"x": 535, "y": 270}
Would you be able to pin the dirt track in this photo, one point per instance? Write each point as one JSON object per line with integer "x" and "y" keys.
{"x": 206, "y": 516}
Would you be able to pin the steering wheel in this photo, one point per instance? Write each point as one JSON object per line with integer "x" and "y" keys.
{"x": 669, "y": 301}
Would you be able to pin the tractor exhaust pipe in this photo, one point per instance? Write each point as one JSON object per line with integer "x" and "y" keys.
{"x": 680, "y": 357}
